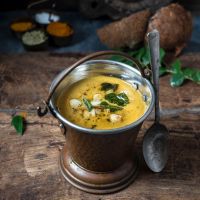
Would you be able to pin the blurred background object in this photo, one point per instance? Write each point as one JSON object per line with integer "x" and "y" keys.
{"x": 119, "y": 18}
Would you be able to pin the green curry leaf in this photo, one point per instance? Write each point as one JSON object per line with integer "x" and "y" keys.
{"x": 192, "y": 74}
{"x": 178, "y": 73}
{"x": 162, "y": 71}
{"x": 112, "y": 108}
{"x": 177, "y": 79}
{"x": 119, "y": 99}
{"x": 109, "y": 86}
{"x": 87, "y": 104}
{"x": 176, "y": 66}
{"x": 18, "y": 123}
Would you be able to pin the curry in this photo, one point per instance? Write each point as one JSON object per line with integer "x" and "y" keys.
{"x": 101, "y": 102}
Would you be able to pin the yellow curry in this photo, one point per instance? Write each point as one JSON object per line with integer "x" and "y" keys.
{"x": 101, "y": 102}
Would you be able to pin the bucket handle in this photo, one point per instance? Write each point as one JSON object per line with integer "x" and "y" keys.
{"x": 41, "y": 112}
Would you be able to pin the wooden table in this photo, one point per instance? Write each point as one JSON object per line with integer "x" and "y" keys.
{"x": 29, "y": 163}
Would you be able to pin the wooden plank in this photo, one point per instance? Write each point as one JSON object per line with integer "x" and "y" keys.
{"x": 29, "y": 164}
{"x": 26, "y": 78}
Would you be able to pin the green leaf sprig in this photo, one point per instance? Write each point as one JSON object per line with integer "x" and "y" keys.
{"x": 112, "y": 108}
{"x": 178, "y": 73}
{"x": 109, "y": 86}
{"x": 88, "y": 104}
{"x": 120, "y": 99}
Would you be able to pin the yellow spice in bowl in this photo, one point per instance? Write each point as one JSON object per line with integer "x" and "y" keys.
{"x": 21, "y": 26}
{"x": 59, "y": 29}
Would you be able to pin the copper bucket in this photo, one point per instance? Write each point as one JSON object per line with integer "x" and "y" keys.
{"x": 99, "y": 161}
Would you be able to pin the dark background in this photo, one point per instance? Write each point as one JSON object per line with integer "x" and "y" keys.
{"x": 85, "y": 38}
{"x": 192, "y": 5}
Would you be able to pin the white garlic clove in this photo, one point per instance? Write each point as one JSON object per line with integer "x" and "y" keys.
{"x": 75, "y": 103}
{"x": 97, "y": 97}
{"x": 96, "y": 102}
{"x": 115, "y": 118}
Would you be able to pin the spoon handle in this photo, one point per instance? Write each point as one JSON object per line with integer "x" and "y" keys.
{"x": 153, "y": 41}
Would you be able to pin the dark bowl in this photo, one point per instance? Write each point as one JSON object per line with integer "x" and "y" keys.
{"x": 38, "y": 47}
{"x": 60, "y": 41}
{"x": 19, "y": 34}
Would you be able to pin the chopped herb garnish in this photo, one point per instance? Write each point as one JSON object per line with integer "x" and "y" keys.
{"x": 109, "y": 86}
{"x": 87, "y": 104}
{"x": 119, "y": 99}
{"x": 112, "y": 108}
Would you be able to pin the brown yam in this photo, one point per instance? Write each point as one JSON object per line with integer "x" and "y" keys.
{"x": 127, "y": 32}
{"x": 175, "y": 26}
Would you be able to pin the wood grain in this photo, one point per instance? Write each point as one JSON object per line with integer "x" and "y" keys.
{"x": 29, "y": 163}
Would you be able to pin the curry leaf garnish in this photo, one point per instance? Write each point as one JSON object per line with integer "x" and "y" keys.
{"x": 109, "y": 86}
{"x": 176, "y": 79}
{"x": 192, "y": 74}
{"x": 112, "y": 108}
{"x": 87, "y": 104}
{"x": 119, "y": 99}
{"x": 162, "y": 71}
{"x": 18, "y": 123}
{"x": 176, "y": 66}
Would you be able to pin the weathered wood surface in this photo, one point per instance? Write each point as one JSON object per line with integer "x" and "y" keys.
{"x": 29, "y": 163}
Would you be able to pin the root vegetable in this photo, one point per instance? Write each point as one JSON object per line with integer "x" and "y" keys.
{"x": 175, "y": 26}
{"x": 127, "y": 32}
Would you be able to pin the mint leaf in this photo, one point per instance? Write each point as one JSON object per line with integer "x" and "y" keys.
{"x": 119, "y": 99}
{"x": 87, "y": 104}
{"x": 112, "y": 108}
{"x": 18, "y": 123}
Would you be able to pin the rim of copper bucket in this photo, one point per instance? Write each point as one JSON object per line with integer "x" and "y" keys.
{"x": 49, "y": 105}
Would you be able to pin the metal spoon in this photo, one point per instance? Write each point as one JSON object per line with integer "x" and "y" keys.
{"x": 155, "y": 142}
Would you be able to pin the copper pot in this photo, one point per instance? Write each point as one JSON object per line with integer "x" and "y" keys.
{"x": 100, "y": 161}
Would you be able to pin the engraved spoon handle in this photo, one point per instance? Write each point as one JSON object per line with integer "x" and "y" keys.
{"x": 154, "y": 46}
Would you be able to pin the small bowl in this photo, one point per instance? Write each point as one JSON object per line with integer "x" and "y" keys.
{"x": 19, "y": 34}
{"x": 41, "y": 17}
{"x": 61, "y": 40}
{"x": 37, "y": 47}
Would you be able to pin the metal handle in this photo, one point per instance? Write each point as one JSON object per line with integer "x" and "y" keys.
{"x": 153, "y": 41}
{"x": 35, "y": 3}
{"x": 81, "y": 61}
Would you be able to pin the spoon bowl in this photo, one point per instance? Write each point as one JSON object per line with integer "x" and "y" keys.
{"x": 155, "y": 147}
